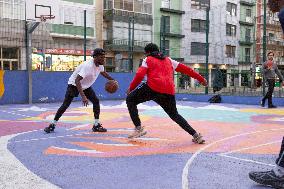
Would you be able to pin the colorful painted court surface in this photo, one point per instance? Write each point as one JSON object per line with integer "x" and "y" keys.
{"x": 239, "y": 139}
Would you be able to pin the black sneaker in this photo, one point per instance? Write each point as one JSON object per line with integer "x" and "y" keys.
{"x": 98, "y": 128}
{"x": 272, "y": 106}
{"x": 267, "y": 178}
{"x": 50, "y": 128}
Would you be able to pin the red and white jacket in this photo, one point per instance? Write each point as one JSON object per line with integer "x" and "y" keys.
{"x": 160, "y": 74}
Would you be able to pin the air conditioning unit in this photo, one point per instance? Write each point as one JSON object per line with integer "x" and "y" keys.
{"x": 249, "y": 19}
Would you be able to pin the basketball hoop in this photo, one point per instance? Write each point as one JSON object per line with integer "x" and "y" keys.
{"x": 43, "y": 18}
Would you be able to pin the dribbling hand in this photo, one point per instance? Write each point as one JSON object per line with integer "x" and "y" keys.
{"x": 85, "y": 101}
{"x": 204, "y": 83}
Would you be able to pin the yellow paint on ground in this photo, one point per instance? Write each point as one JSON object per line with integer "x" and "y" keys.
{"x": 2, "y": 87}
{"x": 277, "y": 111}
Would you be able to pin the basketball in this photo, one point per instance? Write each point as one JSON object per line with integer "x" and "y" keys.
{"x": 111, "y": 86}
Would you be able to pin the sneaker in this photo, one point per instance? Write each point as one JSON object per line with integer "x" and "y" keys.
{"x": 50, "y": 128}
{"x": 267, "y": 178}
{"x": 198, "y": 139}
{"x": 99, "y": 128}
{"x": 138, "y": 133}
{"x": 272, "y": 106}
{"x": 262, "y": 103}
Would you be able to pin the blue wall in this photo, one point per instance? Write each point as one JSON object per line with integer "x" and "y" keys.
{"x": 51, "y": 87}
{"x": 16, "y": 87}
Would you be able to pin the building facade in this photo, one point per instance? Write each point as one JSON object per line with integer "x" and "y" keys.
{"x": 57, "y": 44}
{"x": 127, "y": 28}
{"x": 223, "y": 36}
{"x": 167, "y": 27}
{"x": 247, "y": 42}
{"x": 274, "y": 40}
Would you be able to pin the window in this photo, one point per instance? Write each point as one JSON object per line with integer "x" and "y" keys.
{"x": 247, "y": 54}
{"x": 231, "y": 30}
{"x": 138, "y": 6}
{"x": 271, "y": 36}
{"x": 230, "y": 51}
{"x": 166, "y": 4}
{"x": 12, "y": 9}
{"x": 124, "y": 66}
{"x": 9, "y": 59}
{"x": 248, "y": 34}
{"x": 128, "y": 5}
{"x": 248, "y": 12}
{"x": 167, "y": 47}
{"x": 118, "y": 4}
{"x": 10, "y": 53}
{"x": 198, "y": 25}
{"x": 109, "y": 61}
{"x": 166, "y": 22}
{"x": 143, "y": 6}
{"x": 231, "y": 9}
{"x": 147, "y": 5}
{"x": 200, "y": 4}
{"x": 107, "y": 4}
{"x": 198, "y": 48}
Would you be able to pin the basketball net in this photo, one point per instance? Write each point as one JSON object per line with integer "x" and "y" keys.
{"x": 43, "y": 18}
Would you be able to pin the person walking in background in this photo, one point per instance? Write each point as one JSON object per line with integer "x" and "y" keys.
{"x": 218, "y": 81}
{"x": 274, "y": 177}
{"x": 269, "y": 70}
{"x": 160, "y": 88}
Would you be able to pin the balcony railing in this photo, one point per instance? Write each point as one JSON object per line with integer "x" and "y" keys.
{"x": 122, "y": 45}
{"x": 123, "y": 16}
{"x": 247, "y": 2}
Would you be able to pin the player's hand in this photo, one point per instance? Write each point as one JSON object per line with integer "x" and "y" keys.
{"x": 85, "y": 101}
{"x": 115, "y": 81}
{"x": 204, "y": 83}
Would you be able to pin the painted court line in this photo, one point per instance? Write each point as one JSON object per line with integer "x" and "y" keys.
{"x": 14, "y": 173}
{"x": 248, "y": 148}
{"x": 185, "y": 173}
{"x": 246, "y": 160}
{"x": 46, "y": 138}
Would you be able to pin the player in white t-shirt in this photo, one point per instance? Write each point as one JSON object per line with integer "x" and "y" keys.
{"x": 80, "y": 82}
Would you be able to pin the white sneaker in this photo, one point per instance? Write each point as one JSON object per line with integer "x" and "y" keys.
{"x": 198, "y": 139}
{"x": 138, "y": 133}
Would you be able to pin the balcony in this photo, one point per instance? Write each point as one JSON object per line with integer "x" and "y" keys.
{"x": 122, "y": 45}
{"x": 248, "y": 21}
{"x": 123, "y": 16}
{"x": 246, "y": 41}
{"x": 247, "y": 2}
{"x": 173, "y": 35}
{"x": 275, "y": 42}
{"x": 245, "y": 60}
{"x": 173, "y": 11}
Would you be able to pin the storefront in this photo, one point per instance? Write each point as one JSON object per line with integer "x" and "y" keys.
{"x": 58, "y": 59}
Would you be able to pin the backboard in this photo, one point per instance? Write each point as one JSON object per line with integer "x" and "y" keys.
{"x": 36, "y": 8}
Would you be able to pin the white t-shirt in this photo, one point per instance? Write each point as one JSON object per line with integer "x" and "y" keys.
{"x": 89, "y": 71}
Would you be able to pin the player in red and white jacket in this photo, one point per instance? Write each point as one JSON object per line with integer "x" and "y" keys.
{"x": 160, "y": 88}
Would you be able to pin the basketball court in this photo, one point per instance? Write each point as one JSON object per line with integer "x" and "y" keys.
{"x": 239, "y": 139}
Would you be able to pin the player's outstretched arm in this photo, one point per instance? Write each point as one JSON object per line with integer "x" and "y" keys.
{"x": 106, "y": 75}
{"x": 141, "y": 72}
{"x": 191, "y": 73}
